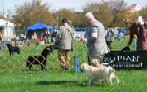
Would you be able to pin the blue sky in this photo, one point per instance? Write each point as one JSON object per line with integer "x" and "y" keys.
{"x": 9, "y": 5}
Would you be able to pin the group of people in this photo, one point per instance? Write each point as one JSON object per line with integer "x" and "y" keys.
{"x": 96, "y": 41}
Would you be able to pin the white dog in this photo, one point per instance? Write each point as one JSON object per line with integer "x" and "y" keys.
{"x": 99, "y": 73}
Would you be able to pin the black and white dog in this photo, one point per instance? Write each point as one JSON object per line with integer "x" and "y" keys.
{"x": 13, "y": 49}
{"x": 40, "y": 60}
{"x": 125, "y": 49}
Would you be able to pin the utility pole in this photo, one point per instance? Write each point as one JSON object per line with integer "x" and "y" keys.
{"x": 3, "y": 8}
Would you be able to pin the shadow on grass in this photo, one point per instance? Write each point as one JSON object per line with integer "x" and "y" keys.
{"x": 57, "y": 82}
{"x": 71, "y": 83}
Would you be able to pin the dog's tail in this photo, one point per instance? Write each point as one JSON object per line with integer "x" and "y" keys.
{"x": 18, "y": 51}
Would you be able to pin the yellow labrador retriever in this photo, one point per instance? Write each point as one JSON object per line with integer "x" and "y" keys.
{"x": 99, "y": 73}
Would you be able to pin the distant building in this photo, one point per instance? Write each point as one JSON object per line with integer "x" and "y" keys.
{"x": 134, "y": 8}
{"x": 7, "y": 29}
{"x": 132, "y": 13}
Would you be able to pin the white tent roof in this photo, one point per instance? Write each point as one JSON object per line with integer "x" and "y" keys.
{"x": 4, "y": 23}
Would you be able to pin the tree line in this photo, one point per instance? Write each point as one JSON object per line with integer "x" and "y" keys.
{"x": 110, "y": 12}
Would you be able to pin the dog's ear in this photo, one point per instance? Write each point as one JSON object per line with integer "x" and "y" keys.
{"x": 82, "y": 67}
{"x": 8, "y": 45}
{"x": 48, "y": 48}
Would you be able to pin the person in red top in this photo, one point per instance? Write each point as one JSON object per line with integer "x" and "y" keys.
{"x": 41, "y": 39}
{"x": 141, "y": 32}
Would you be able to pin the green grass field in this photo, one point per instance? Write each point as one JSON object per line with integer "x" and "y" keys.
{"x": 14, "y": 77}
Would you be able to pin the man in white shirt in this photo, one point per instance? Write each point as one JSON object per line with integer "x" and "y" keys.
{"x": 96, "y": 42}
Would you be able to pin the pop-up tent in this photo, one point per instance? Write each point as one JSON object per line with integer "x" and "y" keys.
{"x": 7, "y": 30}
{"x": 40, "y": 26}
{"x": 121, "y": 33}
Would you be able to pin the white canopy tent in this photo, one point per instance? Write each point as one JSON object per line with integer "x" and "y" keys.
{"x": 8, "y": 30}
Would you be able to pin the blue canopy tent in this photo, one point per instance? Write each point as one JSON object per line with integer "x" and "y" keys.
{"x": 121, "y": 33}
{"x": 40, "y": 26}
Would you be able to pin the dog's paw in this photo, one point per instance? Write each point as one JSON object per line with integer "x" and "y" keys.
{"x": 26, "y": 68}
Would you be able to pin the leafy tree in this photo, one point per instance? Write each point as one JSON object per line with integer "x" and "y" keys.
{"x": 109, "y": 12}
{"x": 143, "y": 13}
{"x": 79, "y": 19}
{"x": 64, "y": 13}
{"x": 118, "y": 9}
{"x": 101, "y": 11}
{"x": 32, "y": 12}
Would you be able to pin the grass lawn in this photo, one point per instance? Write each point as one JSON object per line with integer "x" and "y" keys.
{"x": 14, "y": 77}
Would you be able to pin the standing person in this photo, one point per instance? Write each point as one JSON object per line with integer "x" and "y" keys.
{"x": 96, "y": 42}
{"x": 109, "y": 38}
{"x": 140, "y": 30}
{"x": 41, "y": 39}
{"x": 1, "y": 43}
{"x": 64, "y": 40}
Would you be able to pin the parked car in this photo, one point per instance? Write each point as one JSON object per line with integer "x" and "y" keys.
{"x": 79, "y": 32}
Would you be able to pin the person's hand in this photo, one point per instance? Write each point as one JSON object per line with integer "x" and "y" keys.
{"x": 126, "y": 48}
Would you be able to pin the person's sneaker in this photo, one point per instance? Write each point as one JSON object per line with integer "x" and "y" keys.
{"x": 66, "y": 69}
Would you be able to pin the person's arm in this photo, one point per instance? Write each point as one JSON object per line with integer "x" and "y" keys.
{"x": 72, "y": 37}
{"x": 1, "y": 36}
{"x": 131, "y": 36}
{"x": 72, "y": 32}
{"x": 58, "y": 36}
